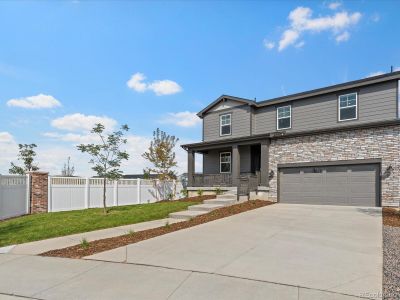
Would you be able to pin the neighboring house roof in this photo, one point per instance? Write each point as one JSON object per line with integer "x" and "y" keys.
{"x": 307, "y": 94}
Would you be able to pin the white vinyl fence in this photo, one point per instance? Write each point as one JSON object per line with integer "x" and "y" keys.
{"x": 70, "y": 193}
{"x": 14, "y": 195}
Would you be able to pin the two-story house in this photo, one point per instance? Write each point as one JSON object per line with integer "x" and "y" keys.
{"x": 337, "y": 145}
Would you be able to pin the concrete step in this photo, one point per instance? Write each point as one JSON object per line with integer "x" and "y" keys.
{"x": 187, "y": 214}
{"x": 205, "y": 207}
{"x": 221, "y": 201}
{"x": 227, "y": 196}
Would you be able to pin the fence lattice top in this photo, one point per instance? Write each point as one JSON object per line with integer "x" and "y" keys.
{"x": 12, "y": 179}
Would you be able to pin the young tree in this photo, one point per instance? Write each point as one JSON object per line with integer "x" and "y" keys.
{"x": 67, "y": 170}
{"x": 26, "y": 155}
{"x": 107, "y": 155}
{"x": 161, "y": 154}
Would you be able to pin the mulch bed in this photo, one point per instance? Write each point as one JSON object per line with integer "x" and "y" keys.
{"x": 391, "y": 253}
{"x": 78, "y": 251}
{"x": 391, "y": 217}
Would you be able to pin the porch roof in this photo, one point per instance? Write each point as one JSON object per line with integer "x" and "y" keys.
{"x": 227, "y": 142}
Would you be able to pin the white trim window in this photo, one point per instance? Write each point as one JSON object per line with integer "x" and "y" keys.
{"x": 284, "y": 117}
{"x": 225, "y": 162}
{"x": 225, "y": 124}
{"x": 348, "y": 107}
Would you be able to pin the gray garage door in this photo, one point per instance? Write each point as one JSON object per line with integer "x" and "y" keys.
{"x": 332, "y": 185}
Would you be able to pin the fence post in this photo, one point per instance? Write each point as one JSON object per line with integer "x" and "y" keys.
{"x": 157, "y": 193}
{"x": 87, "y": 192}
{"x": 115, "y": 194}
{"x": 28, "y": 193}
{"x": 138, "y": 191}
{"x": 49, "y": 196}
{"x": 173, "y": 189}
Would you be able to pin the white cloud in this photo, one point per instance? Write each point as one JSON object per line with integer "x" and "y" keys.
{"x": 334, "y": 5}
{"x": 301, "y": 21}
{"x": 343, "y": 37}
{"x": 182, "y": 119}
{"x": 136, "y": 83}
{"x": 6, "y": 138}
{"x": 396, "y": 69}
{"x": 269, "y": 45}
{"x": 375, "y": 74}
{"x": 9, "y": 151}
{"x": 164, "y": 87}
{"x": 81, "y": 122}
{"x": 35, "y": 102}
{"x": 159, "y": 87}
{"x": 289, "y": 37}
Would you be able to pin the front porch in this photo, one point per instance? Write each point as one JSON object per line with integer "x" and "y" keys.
{"x": 242, "y": 165}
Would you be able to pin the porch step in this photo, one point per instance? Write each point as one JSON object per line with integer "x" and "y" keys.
{"x": 187, "y": 214}
{"x": 205, "y": 207}
{"x": 221, "y": 201}
{"x": 227, "y": 196}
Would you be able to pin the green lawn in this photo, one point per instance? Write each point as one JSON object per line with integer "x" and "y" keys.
{"x": 43, "y": 226}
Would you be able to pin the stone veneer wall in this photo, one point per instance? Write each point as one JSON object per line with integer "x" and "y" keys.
{"x": 381, "y": 142}
{"x": 39, "y": 192}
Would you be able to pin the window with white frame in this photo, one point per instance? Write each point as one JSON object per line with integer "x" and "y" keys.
{"x": 348, "y": 107}
{"x": 225, "y": 124}
{"x": 225, "y": 162}
{"x": 284, "y": 117}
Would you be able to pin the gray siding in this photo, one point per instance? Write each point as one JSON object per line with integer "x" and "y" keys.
{"x": 375, "y": 103}
{"x": 211, "y": 160}
{"x": 240, "y": 123}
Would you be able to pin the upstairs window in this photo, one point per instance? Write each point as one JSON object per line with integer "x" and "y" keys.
{"x": 225, "y": 162}
{"x": 348, "y": 107}
{"x": 225, "y": 124}
{"x": 284, "y": 117}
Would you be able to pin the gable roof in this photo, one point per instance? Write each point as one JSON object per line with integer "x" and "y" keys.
{"x": 224, "y": 98}
{"x": 311, "y": 93}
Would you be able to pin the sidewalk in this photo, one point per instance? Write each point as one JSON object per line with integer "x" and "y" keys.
{"x": 60, "y": 278}
{"x": 35, "y": 248}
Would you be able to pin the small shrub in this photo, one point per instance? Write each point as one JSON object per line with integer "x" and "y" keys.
{"x": 200, "y": 192}
{"x": 131, "y": 232}
{"x": 185, "y": 193}
{"x": 170, "y": 196}
{"x": 84, "y": 243}
{"x": 218, "y": 191}
{"x": 167, "y": 224}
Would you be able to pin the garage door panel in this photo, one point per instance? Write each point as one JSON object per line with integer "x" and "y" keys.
{"x": 332, "y": 185}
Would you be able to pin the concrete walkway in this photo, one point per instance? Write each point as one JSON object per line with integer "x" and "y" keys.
{"x": 275, "y": 252}
{"x": 331, "y": 248}
{"x": 34, "y": 248}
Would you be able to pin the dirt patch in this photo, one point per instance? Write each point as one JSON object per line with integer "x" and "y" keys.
{"x": 391, "y": 217}
{"x": 78, "y": 251}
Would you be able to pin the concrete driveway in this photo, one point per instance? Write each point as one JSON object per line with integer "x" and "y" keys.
{"x": 276, "y": 252}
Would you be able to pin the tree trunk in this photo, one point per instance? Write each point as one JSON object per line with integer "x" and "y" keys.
{"x": 104, "y": 195}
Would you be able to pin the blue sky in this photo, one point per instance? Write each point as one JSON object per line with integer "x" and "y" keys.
{"x": 65, "y": 65}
